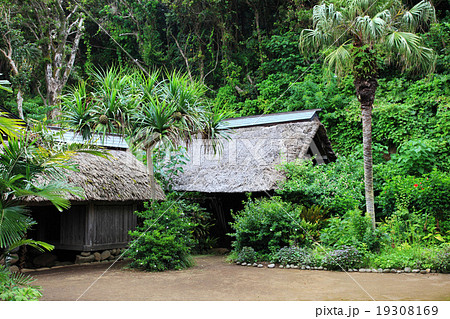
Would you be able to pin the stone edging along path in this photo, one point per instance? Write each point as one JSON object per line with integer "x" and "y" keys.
{"x": 362, "y": 270}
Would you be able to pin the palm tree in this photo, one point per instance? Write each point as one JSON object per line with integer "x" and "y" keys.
{"x": 359, "y": 34}
{"x": 170, "y": 112}
{"x": 78, "y": 110}
{"x": 32, "y": 164}
{"x": 114, "y": 100}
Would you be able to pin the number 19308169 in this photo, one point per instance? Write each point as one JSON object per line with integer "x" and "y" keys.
{"x": 407, "y": 310}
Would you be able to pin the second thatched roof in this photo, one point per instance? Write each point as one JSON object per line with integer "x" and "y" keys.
{"x": 248, "y": 161}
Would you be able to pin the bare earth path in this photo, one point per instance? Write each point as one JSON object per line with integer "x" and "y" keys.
{"x": 215, "y": 279}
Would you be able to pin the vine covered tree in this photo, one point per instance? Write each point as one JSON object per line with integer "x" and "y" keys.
{"x": 56, "y": 26}
{"x": 18, "y": 53}
{"x": 359, "y": 34}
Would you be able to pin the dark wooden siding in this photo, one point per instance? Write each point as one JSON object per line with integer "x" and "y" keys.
{"x": 108, "y": 225}
{"x": 72, "y": 226}
{"x": 88, "y": 227}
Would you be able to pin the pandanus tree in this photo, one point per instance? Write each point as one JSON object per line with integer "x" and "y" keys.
{"x": 172, "y": 111}
{"x": 359, "y": 34}
{"x": 153, "y": 112}
{"x": 104, "y": 107}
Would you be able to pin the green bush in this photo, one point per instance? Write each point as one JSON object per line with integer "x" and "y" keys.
{"x": 17, "y": 286}
{"x": 429, "y": 194}
{"x": 164, "y": 239}
{"x": 343, "y": 258}
{"x": 416, "y": 157}
{"x": 398, "y": 257}
{"x": 441, "y": 259}
{"x": 415, "y": 256}
{"x": 247, "y": 254}
{"x": 352, "y": 229}
{"x": 405, "y": 227}
{"x": 202, "y": 221}
{"x": 292, "y": 255}
{"x": 270, "y": 224}
{"x": 336, "y": 186}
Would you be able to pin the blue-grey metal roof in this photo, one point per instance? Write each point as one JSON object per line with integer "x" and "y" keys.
{"x": 109, "y": 140}
{"x": 265, "y": 119}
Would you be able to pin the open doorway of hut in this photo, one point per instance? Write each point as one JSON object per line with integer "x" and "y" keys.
{"x": 221, "y": 205}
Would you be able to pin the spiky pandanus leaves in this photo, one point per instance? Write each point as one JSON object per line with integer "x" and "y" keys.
{"x": 115, "y": 99}
{"x": 170, "y": 112}
{"x": 155, "y": 124}
{"x": 213, "y": 133}
{"x": 359, "y": 33}
{"x": 78, "y": 110}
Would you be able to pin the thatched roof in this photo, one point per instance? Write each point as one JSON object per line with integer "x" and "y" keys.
{"x": 119, "y": 178}
{"x": 248, "y": 161}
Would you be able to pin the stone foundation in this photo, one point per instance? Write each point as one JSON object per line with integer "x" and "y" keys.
{"x": 98, "y": 256}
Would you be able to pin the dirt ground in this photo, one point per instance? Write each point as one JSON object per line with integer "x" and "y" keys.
{"x": 215, "y": 279}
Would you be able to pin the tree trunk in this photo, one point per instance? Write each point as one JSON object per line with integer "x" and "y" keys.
{"x": 365, "y": 91}
{"x": 53, "y": 94}
{"x": 258, "y": 29}
{"x": 151, "y": 173}
{"x": 20, "y": 103}
{"x": 22, "y": 256}
{"x": 368, "y": 162}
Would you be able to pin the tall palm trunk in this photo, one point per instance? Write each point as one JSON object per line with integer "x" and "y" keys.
{"x": 20, "y": 103}
{"x": 151, "y": 173}
{"x": 365, "y": 91}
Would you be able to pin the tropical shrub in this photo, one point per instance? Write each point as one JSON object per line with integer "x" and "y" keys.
{"x": 405, "y": 227}
{"x": 17, "y": 286}
{"x": 343, "y": 258}
{"x": 269, "y": 224}
{"x": 164, "y": 239}
{"x": 292, "y": 255}
{"x": 406, "y": 255}
{"x": 247, "y": 254}
{"x": 416, "y": 157}
{"x": 441, "y": 259}
{"x": 352, "y": 229}
{"x": 429, "y": 194}
{"x": 202, "y": 221}
{"x": 168, "y": 163}
{"x": 336, "y": 186}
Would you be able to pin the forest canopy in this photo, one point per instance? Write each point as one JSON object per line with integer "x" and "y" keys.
{"x": 246, "y": 52}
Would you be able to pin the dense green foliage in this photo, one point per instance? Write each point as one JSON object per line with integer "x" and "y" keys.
{"x": 168, "y": 233}
{"x": 247, "y": 255}
{"x": 292, "y": 255}
{"x": 17, "y": 286}
{"x": 429, "y": 194}
{"x": 352, "y": 229}
{"x": 267, "y": 225}
{"x": 337, "y": 186}
{"x": 344, "y": 258}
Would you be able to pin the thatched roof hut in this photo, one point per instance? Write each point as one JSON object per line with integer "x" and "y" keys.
{"x": 248, "y": 161}
{"x": 120, "y": 177}
{"x": 114, "y": 188}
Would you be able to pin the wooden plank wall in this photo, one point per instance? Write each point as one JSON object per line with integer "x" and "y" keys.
{"x": 108, "y": 225}
{"x": 87, "y": 227}
{"x": 72, "y": 226}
